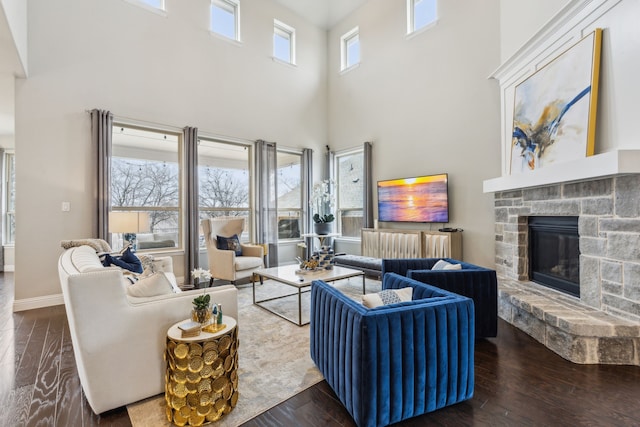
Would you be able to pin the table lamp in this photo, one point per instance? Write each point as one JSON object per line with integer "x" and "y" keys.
{"x": 128, "y": 223}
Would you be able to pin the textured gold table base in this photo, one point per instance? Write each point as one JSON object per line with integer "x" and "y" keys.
{"x": 201, "y": 380}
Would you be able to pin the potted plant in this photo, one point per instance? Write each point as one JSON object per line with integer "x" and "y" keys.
{"x": 322, "y": 202}
{"x": 200, "y": 275}
{"x": 201, "y": 309}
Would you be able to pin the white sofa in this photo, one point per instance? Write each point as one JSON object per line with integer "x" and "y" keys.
{"x": 119, "y": 340}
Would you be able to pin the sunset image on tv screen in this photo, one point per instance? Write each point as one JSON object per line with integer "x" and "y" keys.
{"x": 419, "y": 199}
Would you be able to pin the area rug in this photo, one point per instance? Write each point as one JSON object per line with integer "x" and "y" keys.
{"x": 274, "y": 360}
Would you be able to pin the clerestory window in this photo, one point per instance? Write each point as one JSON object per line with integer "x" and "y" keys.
{"x": 350, "y": 49}
{"x": 152, "y": 5}
{"x": 225, "y": 18}
{"x": 284, "y": 42}
{"x": 420, "y": 14}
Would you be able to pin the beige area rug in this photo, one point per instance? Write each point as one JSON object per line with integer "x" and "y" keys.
{"x": 274, "y": 361}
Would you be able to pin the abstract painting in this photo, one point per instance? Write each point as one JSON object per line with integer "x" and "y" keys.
{"x": 555, "y": 109}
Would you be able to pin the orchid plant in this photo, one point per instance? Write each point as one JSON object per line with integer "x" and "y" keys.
{"x": 201, "y": 275}
{"x": 322, "y": 202}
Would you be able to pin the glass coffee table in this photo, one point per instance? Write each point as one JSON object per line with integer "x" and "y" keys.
{"x": 289, "y": 275}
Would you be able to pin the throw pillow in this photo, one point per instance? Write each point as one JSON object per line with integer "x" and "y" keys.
{"x": 150, "y": 286}
{"x": 148, "y": 267}
{"x": 128, "y": 260}
{"x": 230, "y": 244}
{"x": 388, "y": 296}
{"x": 444, "y": 265}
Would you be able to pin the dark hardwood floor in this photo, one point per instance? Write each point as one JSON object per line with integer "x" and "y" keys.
{"x": 518, "y": 383}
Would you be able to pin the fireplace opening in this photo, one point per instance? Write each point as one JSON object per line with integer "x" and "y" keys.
{"x": 554, "y": 252}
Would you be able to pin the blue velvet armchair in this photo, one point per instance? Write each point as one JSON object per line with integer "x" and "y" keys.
{"x": 394, "y": 362}
{"x": 475, "y": 282}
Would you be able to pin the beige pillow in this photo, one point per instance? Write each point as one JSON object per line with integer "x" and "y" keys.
{"x": 150, "y": 286}
{"x": 388, "y": 296}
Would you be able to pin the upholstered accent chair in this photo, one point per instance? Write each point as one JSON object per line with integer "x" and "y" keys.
{"x": 475, "y": 282}
{"x": 396, "y": 361}
{"x": 225, "y": 264}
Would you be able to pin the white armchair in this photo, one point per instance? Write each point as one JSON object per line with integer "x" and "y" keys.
{"x": 119, "y": 340}
{"x": 224, "y": 264}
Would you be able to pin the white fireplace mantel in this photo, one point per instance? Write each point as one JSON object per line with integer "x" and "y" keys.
{"x": 618, "y": 162}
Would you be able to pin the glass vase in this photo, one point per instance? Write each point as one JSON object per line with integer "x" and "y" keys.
{"x": 201, "y": 315}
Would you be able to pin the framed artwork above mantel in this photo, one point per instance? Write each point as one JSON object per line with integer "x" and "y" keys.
{"x": 554, "y": 115}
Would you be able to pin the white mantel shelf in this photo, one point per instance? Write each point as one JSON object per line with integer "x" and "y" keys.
{"x": 619, "y": 162}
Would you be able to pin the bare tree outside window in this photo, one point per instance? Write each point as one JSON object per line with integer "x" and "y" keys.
{"x": 140, "y": 183}
{"x": 222, "y": 188}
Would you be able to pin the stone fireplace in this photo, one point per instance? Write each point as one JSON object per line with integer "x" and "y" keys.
{"x": 602, "y": 325}
{"x": 600, "y": 321}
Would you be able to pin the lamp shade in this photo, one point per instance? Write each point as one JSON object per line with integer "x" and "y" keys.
{"x": 128, "y": 222}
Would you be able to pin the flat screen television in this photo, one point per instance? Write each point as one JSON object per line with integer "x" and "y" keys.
{"x": 417, "y": 199}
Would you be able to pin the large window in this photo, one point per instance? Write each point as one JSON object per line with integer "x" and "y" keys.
{"x": 225, "y": 18}
{"x": 10, "y": 201}
{"x": 145, "y": 178}
{"x": 289, "y": 194}
{"x": 421, "y": 13}
{"x": 349, "y": 170}
{"x": 350, "y": 49}
{"x": 224, "y": 181}
{"x": 284, "y": 42}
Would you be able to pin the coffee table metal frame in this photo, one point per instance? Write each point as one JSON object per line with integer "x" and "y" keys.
{"x": 286, "y": 275}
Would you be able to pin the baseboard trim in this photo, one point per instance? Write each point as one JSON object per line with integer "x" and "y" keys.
{"x": 37, "y": 302}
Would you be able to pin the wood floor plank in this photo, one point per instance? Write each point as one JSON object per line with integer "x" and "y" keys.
{"x": 18, "y": 406}
{"x": 69, "y": 399}
{"x": 27, "y": 369}
{"x": 43, "y": 401}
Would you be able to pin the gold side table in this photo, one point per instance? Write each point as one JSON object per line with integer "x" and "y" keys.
{"x": 201, "y": 379}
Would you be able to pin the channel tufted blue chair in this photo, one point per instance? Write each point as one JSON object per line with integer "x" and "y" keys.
{"x": 394, "y": 362}
{"x": 478, "y": 283}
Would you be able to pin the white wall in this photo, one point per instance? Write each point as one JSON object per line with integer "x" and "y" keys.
{"x": 426, "y": 104}
{"x": 521, "y": 19}
{"x": 15, "y": 12}
{"x": 112, "y": 55}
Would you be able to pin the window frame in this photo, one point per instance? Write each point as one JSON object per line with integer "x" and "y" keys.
{"x": 232, "y": 6}
{"x": 180, "y": 242}
{"x": 162, "y": 10}
{"x": 290, "y": 34}
{"x": 336, "y": 179}
{"x": 250, "y": 220}
{"x": 411, "y": 29}
{"x": 9, "y": 182}
{"x": 345, "y": 40}
{"x": 300, "y": 209}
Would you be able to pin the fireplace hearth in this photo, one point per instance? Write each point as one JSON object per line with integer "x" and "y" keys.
{"x": 554, "y": 253}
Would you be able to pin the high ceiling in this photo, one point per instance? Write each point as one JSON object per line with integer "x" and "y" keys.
{"x": 323, "y": 13}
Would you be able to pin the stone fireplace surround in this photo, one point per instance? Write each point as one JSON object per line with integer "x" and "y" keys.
{"x": 603, "y": 325}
